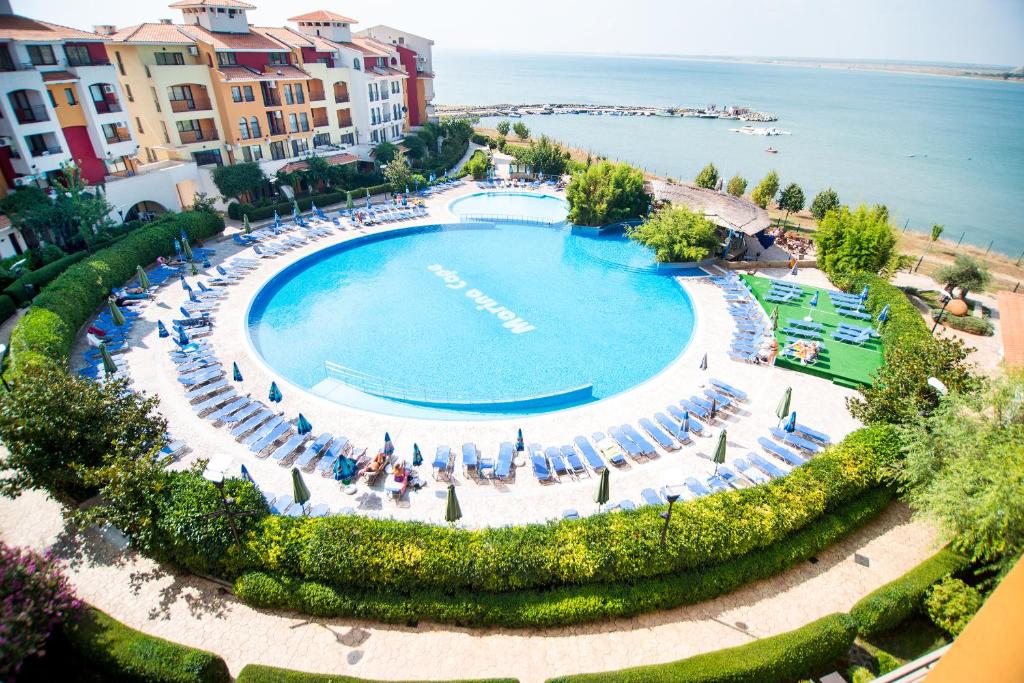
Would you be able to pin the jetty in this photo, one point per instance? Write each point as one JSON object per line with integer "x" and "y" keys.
{"x": 518, "y": 110}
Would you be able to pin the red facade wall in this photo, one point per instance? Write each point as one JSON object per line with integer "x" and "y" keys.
{"x": 255, "y": 60}
{"x": 80, "y": 146}
{"x": 5, "y": 166}
{"x": 311, "y": 56}
{"x": 408, "y": 59}
{"x": 97, "y": 51}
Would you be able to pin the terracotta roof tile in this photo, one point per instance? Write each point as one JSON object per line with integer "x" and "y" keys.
{"x": 279, "y": 73}
{"x": 237, "y": 4}
{"x": 171, "y": 34}
{"x": 59, "y": 77}
{"x": 16, "y": 27}
{"x": 284, "y": 35}
{"x": 234, "y": 41}
{"x": 323, "y": 15}
{"x": 367, "y": 47}
{"x": 336, "y": 160}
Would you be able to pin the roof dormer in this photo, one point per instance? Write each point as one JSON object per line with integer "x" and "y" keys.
{"x": 219, "y": 16}
{"x": 326, "y": 25}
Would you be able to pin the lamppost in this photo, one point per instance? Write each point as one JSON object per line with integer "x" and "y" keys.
{"x": 667, "y": 515}
{"x": 945, "y": 302}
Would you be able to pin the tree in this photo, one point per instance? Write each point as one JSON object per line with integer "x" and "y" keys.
{"x": 384, "y": 153}
{"x": 56, "y": 426}
{"x": 521, "y": 131}
{"x": 825, "y": 201}
{"x": 398, "y": 173}
{"x": 416, "y": 146}
{"x": 967, "y": 273}
{"x": 963, "y": 469}
{"x": 478, "y": 165}
{"x": 857, "y": 241}
{"x": 737, "y": 186}
{"x": 32, "y": 212}
{"x": 239, "y": 179}
{"x": 318, "y": 172}
{"x": 791, "y": 199}
{"x": 707, "y": 178}
{"x": 606, "y": 192}
{"x": 89, "y": 211}
{"x": 678, "y": 234}
{"x": 937, "y": 230}
{"x": 503, "y": 127}
{"x": 766, "y": 189}
{"x": 543, "y": 156}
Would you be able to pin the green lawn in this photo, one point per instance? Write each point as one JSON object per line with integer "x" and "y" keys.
{"x": 843, "y": 363}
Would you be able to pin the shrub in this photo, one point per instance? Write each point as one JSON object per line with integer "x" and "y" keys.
{"x": 677, "y": 234}
{"x": 7, "y": 307}
{"x": 888, "y": 606}
{"x": 707, "y": 178}
{"x": 737, "y": 185}
{"x": 125, "y": 654}
{"x": 255, "y": 673}
{"x": 860, "y": 241}
{"x": 48, "y": 330}
{"x": 41, "y": 277}
{"x": 478, "y": 165}
{"x": 951, "y": 603}
{"x": 605, "y": 193}
{"x": 765, "y": 190}
{"x": 36, "y": 599}
{"x": 966, "y": 323}
{"x": 238, "y": 179}
{"x": 783, "y": 658}
{"x": 567, "y": 604}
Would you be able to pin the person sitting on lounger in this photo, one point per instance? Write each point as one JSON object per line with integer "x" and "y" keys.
{"x": 399, "y": 472}
{"x": 378, "y": 464}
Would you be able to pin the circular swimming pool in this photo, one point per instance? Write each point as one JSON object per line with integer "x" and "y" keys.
{"x": 534, "y": 207}
{"x": 471, "y": 320}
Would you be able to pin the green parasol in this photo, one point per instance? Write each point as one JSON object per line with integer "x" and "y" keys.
{"x": 452, "y": 511}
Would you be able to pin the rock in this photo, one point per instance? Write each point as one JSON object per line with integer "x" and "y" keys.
{"x": 957, "y": 307}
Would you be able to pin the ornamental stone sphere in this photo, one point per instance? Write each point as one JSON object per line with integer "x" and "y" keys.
{"x": 957, "y": 307}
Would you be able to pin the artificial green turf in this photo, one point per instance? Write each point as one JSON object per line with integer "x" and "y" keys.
{"x": 843, "y": 363}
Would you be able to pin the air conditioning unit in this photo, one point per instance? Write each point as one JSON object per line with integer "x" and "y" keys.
{"x": 23, "y": 182}
{"x": 107, "y": 88}
{"x": 5, "y": 141}
{"x": 193, "y": 50}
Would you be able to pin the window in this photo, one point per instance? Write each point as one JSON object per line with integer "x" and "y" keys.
{"x": 277, "y": 150}
{"x": 6, "y": 63}
{"x": 303, "y": 122}
{"x": 120, "y": 64}
{"x": 293, "y": 123}
{"x": 115, "y": 132}
{"x": 254, "y": 127}
{"x": 247, "y": 92}
{"x": 299, "y": 147}
{"x": 53, "y": 101}
{"x": 117, "y": 166}
{"x": 277, "y": 58}
{"x": 150, "y": 155}
{"x": 289, "y": 98}
{"x": 356, "y": 65}
{"x": 166, "y": 58}
{"x": 300, "y": 95}
{"x": 252, "y": 153}
{"x": 189, "y": 126}
{"x": 321, "y": 139}
{"x": 374, "y": 136}
{"x": 156, "y": 100}
{"x": 78, "y": 55}
{"x": 167, "y": 137}
{"x": 370, "y": 88}
{"x": 181, "y": 93}
{"x": 395, "y": 87}
{"x": 138, "y": 125}
{"x": 128, "y": 91}
{"x": 236, "y": 93}
{"x": 244, "y": 92}
{"x": 41, "y": 55}
{"x": 226, "y": 59}
{"x": 69, "y": 94}
{"x": 243, "y": 127}
{"x": 348, "y": 139}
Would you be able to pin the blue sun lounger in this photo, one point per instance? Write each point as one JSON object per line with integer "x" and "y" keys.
{"x": 732, "y": 479}
{"x": 589, "y": 453}
{"x": 753, "y": 474}
{"x": 206, "y": 391}
{"x": 573, "y": 458}
{"x": 729, "y": 389}
{"x": 802, "y": 333}
{"x": 540, "y": 466}
{"x": 661, "y": 437}
{"x": 252, "y": 423}
{"x": 218, "y": 402}
{"x": 470, "y": 458}
{"x": 313, "y": 451}
{"x": 850, "y": 313}
{"x": 282, "y": 504}
{"x": 265, "y": 436}
{"x": 721, "y": 399}
{"x": 201, "y": 377}
{"x": 651, "y": 497}
{"x": 625, "y": 443}
{"x": 570, "y": 513}
{"x": 283, "y": 453}
{"x": 640, "y": 440}
{"x": 717, "y": 484}
{"x": 626, "y": 504}
{"x": 820, "y": 437}
{"x": 678, "y": 414}
{"x": 503, "y": 468}
{"x": 696, "y": 409}
{"x": 857, "y": 339}
{"x": 325, "y": 466}
{"x": 555, "y": 458}
{"x": 696, "y": 488}
{"x": 237, "y": 415}
{"x": 781, "y": 452}
{"x": 816, "y": 327}
{"x": 794, "y": 440}
{"x": 772, "y": 469}
{"x": 442, "y": 461}
{"x": 673, "y": 428}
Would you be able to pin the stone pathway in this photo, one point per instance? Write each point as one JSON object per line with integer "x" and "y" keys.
{"x": 203, "y": 614}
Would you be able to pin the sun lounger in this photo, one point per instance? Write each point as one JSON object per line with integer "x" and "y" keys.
{"x": 802, "y": 333}
{"x": 750, "y": 472}
{"x": 442, "y": 461}
{"x": 217, "y": 401}
{"x": 282, "y": 504}
{"x": 201, "y": 377}
{"x": 645, "y": 446}
{"x": 282, "y": 454}
{"x": 573, "y": 458}
{"x": 503, "y": 468}
{"x": 696, "y": 409}
{"x": 659, "y": 436}
{"x": 794, "y": 440}
{"x": 325, "y": 466}
{"x": 313, "y": 451}
{"x": 236, "y": 414}
{"x": 540, "y": 466}
{"x": 319, "y": 510}
{"x": 781, "y": 452}
{"x": 470, "y": 458}
{"x": 773, "y": 469}
{"x": 589, "y": 454}
{"x": 678, "y": 414}
{"x": 779, "y": 298}
{"x": 850, "y": 313}
{"x": 857, "y": 339}
{"x": 251, "y": 423}
{"x": 651, "y": 497}
{"x": 626, "y": 504}
{"x": 632, "y": 450}
{"x": 173, "y": 449}
{"x": 732, "y": 479}
{"x": 696, "y": 488}
{"x": 570, "y": 514}
{"x": 554, "y": 457}
{"x": 729, "y": 389}
{"x": 717, "y": 484}
{"x": 673, "y": 428}
{"x": 806, "y": 431}
{"x": 609, "y": 449}
{"x": 199, "y": 364}
{"x": 266, "y": 435}
{"x": 721, "y": 399}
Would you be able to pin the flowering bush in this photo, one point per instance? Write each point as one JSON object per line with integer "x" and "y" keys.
{"x": 35, "y": 598}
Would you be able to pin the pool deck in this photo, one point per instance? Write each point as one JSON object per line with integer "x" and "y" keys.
{"x": 487, "y": 502}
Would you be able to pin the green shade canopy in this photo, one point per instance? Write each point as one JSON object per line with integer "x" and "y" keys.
{"x": 775, "y": 318}
{"x": 452, "y": 511}
{"x": 115, "y": 313}
{"x": 719, "y": 457}
{"x": 109, "y": 367}
{"x": 187, "y": 248}
{"x": 245, "y": 223}
{"x": 348, "y": 202}
{"x": 783, "y": 408}
{"x": 143, "y": 278}
{"x": 300, "y": 492}
{"x": 603, "y": 489}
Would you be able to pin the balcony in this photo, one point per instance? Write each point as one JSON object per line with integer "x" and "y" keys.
{"x": 320, "y": 118}
{"x": 341, "y": 93}
{"x": 190, "y": 136}
{"x": 194, "y": 104}
{"x": 35, "y": 113}
{"x": 344, "y": 118}
{"x": 43, "y": 144}
{"x": 316, "y": 91}
{"x": 118, "y": 135}
{"x": 91, "y": 61}
{"x": 107, "y": 106}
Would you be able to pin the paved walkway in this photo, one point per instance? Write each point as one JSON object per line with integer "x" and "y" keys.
{"x": 196, "y": 612}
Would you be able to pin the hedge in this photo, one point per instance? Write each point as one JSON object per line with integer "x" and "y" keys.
{"x": 888, "y": 606}
{"x": 41, "y": 276}
{"x": 7, "y": 307}
{"x": 905, "y": 326}
{"x": 566, "y": 605}
{"x": 124, "y": 654}
{"x": 780, "y": 659}
{"x": 48, "y": 330}
{"x": 255, "y": 673}
{"x": 255, "y": 213}
{"x": 965, "y": 323}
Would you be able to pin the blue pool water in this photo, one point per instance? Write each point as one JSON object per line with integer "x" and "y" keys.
{"x": 469, "y": 313}
{"x": 543, "y": 207}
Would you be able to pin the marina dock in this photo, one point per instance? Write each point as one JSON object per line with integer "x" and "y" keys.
{"x": 519, "y": 110}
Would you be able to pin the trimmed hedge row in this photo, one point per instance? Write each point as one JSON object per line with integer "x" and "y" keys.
{"x": 965, "y": 323}
{"x": 780, "y": 659}
{"x": 7, "y": 307}
{"x": 256, "y": 673}
{"x": 567, "y": 605}
{"x": 48, "y": 330}
{"x": 255, "y": 213}
{"x": 124, "y": 654}
{"x": 41, "y": 276}
{"x": 359, "y": 552}
{"x": 891, "y": 604}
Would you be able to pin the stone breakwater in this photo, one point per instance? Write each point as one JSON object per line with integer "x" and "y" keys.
{"x": 508, "y": 318}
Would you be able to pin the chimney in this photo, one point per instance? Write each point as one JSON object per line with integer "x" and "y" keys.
{"x": 167, "y": 21}
{"x": 105, "y": 29}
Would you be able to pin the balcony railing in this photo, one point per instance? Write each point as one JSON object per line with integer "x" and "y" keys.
{"x": 45, "y": 151}
{"x": 31, "y": 114}
{"x": 190, "y": 136}
{"x": 195, "y": 104}
{"x": 275, "y": 129}
{"x": 93, "y": 61}
{"x": 105, "y": 107}
{"x": 320, "y": 122}
{"x": 119, "y": 137}
{"x": 317, "y": 96}
{"x": 342, "y": 99}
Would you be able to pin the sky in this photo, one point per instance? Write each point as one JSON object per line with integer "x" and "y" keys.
{"x": 975, "y": 32}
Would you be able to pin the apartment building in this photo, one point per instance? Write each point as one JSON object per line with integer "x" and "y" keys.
{"x": 416, "y": 56}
